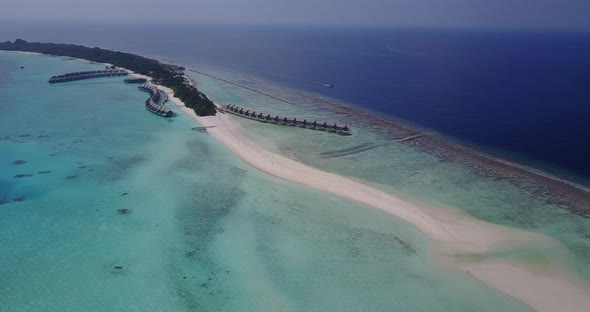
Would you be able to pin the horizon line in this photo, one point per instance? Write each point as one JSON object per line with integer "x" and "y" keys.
{"x": 300, "y": 25}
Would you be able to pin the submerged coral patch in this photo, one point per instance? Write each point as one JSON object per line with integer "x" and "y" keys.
{"x": 23, "y": 175}
{"x": 117, "y": 268}
{"x": 405, "y": 245}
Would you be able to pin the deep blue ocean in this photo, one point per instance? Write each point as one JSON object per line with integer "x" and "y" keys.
{"x": 521, "y": 95}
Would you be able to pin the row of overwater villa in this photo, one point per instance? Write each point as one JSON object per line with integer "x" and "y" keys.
{"x": 88, "y": 75}
{"x": 288, "y": 121}
{"x": 156, "y": 100}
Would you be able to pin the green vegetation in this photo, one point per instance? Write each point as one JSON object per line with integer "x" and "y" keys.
{"x": 171, "y": 76}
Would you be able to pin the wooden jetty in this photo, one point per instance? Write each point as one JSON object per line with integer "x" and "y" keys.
{"x": 87, "y": 75}
{"x": 287, "y": 121}
{"x": 135, "y": 80}
{"x": 155, "y": 101}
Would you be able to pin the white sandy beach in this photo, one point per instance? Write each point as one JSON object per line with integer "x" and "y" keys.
{"x": 544, "y": 288}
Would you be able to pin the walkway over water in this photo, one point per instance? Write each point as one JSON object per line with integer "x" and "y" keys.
{"x": 87, "y": 75}
{"x": 288, "y": 121}
{"x": 155, "y": 103}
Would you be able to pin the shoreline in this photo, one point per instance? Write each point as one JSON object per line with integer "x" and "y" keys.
{"x": 454, "y": 233}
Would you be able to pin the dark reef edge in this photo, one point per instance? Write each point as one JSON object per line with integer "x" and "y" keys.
{"x": 548, "y": 187}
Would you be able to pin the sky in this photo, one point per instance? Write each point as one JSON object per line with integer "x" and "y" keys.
{"x": 514, "y": 14}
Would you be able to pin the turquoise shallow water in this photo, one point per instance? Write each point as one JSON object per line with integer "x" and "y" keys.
{"x": 372, "y": 155}
{"x": 106, "y": 207}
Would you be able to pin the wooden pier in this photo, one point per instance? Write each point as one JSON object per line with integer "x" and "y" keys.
{"x": 87, "y": 75}
{"x": 155, "y": 101}
{"x": 287, "y": 121}
{"x": 135, "y": 80}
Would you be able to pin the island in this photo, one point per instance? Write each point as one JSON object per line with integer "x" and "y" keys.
{"x": 168, "y": 75}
